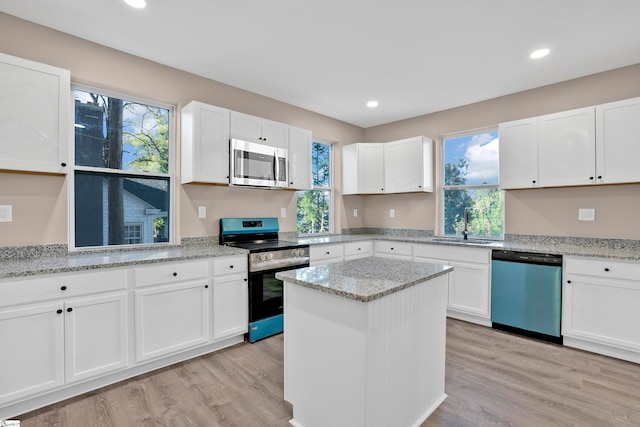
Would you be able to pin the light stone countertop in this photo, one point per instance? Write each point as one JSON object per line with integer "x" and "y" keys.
{"x": 364, "y": 279}
{"x": 587, "y": 247}
{"x": 92, "y": 260}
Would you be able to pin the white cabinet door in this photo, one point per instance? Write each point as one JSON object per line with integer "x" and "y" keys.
{"x": 230, "y": 306}
{"x": 35, "y": 109}
{"x": 96, "y": 336}
{"x": 171, "y": 318}
{"x": 519, "y": 153}
{"x": 32, "y": 355}
{"x": 469, "y": 289}
{"x": 566, "y": 145}
{"x": 255, "y": 129}
{"x": 363, "y": 168}
{"x": 300, "y": 143}
{"x": 205, "y": 144}
{"x": 408, "y": 165}
{"x": 618, "y": 141}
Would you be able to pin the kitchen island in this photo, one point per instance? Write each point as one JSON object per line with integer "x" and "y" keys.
{"x": 365, "y": 342}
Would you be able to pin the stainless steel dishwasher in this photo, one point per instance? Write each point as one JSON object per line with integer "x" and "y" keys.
{"x": 526, "y": 294}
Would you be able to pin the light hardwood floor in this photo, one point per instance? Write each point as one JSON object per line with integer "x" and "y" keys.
{"x": 492, "y": 379}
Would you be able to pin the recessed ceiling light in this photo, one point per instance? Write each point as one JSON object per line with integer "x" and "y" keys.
{"x": 138, "y": 4}
{"x": 372, "y": 104}
{"x": 539, "y": 53}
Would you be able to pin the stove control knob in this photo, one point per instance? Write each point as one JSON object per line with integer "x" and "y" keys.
{"x": 269, "y": 255}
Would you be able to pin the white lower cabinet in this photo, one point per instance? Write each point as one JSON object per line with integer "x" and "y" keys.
{"x": 32, "y": 355}
{"x": 469, "y": 283}
{"x": 96, "y": 335}
{"x": 601, "y": 307}
{"x": 230, "y": 298}
{"x": 170, "y": 318}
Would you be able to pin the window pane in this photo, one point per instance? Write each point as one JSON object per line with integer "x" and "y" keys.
{"x": 321, "y": 164}
{"x": 109, "y": 207}
{"x": 471, "y": 159}
{"x": 117, "y": 134}
{"x": 485, "y": 212}
{"x": 313, "y": 211}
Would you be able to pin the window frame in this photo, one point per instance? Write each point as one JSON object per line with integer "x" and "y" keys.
{"x": 443, "y": 187}
{"x": 114, "y": 172}
{"x": 330, "y": 188}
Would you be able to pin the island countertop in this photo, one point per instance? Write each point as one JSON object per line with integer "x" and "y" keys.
{"x": 364, "y": 279}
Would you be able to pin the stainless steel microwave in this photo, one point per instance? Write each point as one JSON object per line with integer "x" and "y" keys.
{"x": 258, "y": 165}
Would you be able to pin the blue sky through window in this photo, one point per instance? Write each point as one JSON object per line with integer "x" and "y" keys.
{"x": 481, "y": 152}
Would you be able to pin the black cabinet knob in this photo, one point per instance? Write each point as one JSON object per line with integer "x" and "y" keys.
{"x": 69, "y": 310}
{"x": 63, "y": 164}
{"x": 606, "y": 269}
{"x": 419, "y": 186}
{"x": 328, "y": 253}
{"x": 175, "y": 274}
{"x": 591, "y": 177}
{"x": 568, "y": 281}
{"x": 599, "y": 176}
{"x": 231, "y": 266}
{"x": 534, "y": 181}
{"x": 206, "y": 286}
{"x": 63, "y": 288}
{"x": 391, "y": 248}
{"x": 245, "y": 279}
{"x": 59, "y": 311}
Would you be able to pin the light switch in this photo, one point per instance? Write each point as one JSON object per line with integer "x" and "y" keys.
{"x": 202, "y": 211}
{"x": 283, "y": 212}
{"x": 392, "y": 213}
{"x": 6, "y": 214}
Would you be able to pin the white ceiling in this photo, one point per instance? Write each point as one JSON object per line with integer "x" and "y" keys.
{"x": 331, "y": 56}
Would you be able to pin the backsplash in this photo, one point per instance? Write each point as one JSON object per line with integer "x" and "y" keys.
{"x": 626, "y": 244}
{"x": 10, "y": 253}
{"x": 403, "y": 232}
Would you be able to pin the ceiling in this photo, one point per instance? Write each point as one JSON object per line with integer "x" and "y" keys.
{"x": 332, "y": 56}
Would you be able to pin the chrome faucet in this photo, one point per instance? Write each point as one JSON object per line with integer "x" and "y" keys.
{"x": 466, "y": 223}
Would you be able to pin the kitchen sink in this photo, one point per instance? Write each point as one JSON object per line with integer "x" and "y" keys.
{"x": 461, "y": 241}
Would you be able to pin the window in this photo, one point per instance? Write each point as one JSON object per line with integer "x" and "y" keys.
{"x": 122, "y": 170}
{"x": 471, "y": 181}
{"x": 314, "y": 206}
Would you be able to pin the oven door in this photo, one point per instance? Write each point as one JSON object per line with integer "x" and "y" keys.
{"x": 266, "y": 302}
{"x": 257, "y": 165}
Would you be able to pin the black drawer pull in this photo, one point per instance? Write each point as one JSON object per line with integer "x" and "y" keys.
{"x": 245, "y": 279}
{"x": 606, "y": 269}
{"x": 231, "y": 266}
{"x": 328, "y": 253}
{"x": 175, "y": 274}
{"x": 568, "y": 281}
{"x": 59, "y": 311}
{"x": 63, "y": 288}
{"x": 206, "y": 286}
{"x": 63, "y": 164}
{"x": 69, "y": 310}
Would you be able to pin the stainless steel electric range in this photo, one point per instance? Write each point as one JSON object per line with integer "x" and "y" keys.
{"x": 267, "y": 256}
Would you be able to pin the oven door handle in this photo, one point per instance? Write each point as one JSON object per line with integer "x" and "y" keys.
{"x": 278, "y": 264}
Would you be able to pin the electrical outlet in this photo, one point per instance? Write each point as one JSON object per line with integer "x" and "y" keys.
{"x": 586, "y": 214}
{"x": 6, "y": 214}
{"x": 392, "y": 213}
{"x": 355, "y": 213}
{"x": 283, "y": 212}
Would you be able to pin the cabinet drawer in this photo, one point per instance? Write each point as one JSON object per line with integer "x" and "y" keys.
{"x": 58, "y": 286}
{"x": 603, "y": 268}
{"x": 358, "y": 248}
{"x": 453, "y": 253}
{"x": 393, "y": 248}
{"x": 320, "y": 253}
{"x": 172, "y": 272}
{"x": 229, "y": 265}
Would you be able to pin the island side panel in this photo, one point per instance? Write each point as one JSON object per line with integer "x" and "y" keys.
{"x": 324, "y": 360}
{"x": 405, "y": 354}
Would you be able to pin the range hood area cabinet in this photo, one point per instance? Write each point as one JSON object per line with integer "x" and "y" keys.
{"x": 592, "y": 145}
{"x": 35, "y": 109}
{"x": 404, "y": 166}
{"x": 205, "y": 134}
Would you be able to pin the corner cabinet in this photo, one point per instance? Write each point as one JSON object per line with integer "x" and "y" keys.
{"x": 404, "y": 166}
{"x": 35, "y": 105}
{"x": 600, "y": 304}
{"x": 204, "y": 144}
{"x": 363, "y": 168}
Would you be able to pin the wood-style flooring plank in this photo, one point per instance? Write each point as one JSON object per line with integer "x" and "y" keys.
{"x": 492, "y": 378}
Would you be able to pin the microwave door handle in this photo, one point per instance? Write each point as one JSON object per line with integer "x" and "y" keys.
{"x": 276, "y": 167}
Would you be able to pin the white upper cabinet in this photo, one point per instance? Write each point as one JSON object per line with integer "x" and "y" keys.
{"x": 34, "y": 116}
{"x": 256, "y": 129}
{"x": 519, "y": 153}
{"x": 566, "y": 148}
{"x": 300, "y": 141}
{"x": 618, "y": 141}
{"x": 363, "y": 168}
{"x": 205, "y": 144}
{"x": 407, "y": 165}
{"x": 402, "y": 166}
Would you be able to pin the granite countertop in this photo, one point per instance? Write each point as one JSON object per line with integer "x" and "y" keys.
{"x": 364, "y": 279}
{"x": 93, "y": 260}
{"x": 587, "y": 247}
